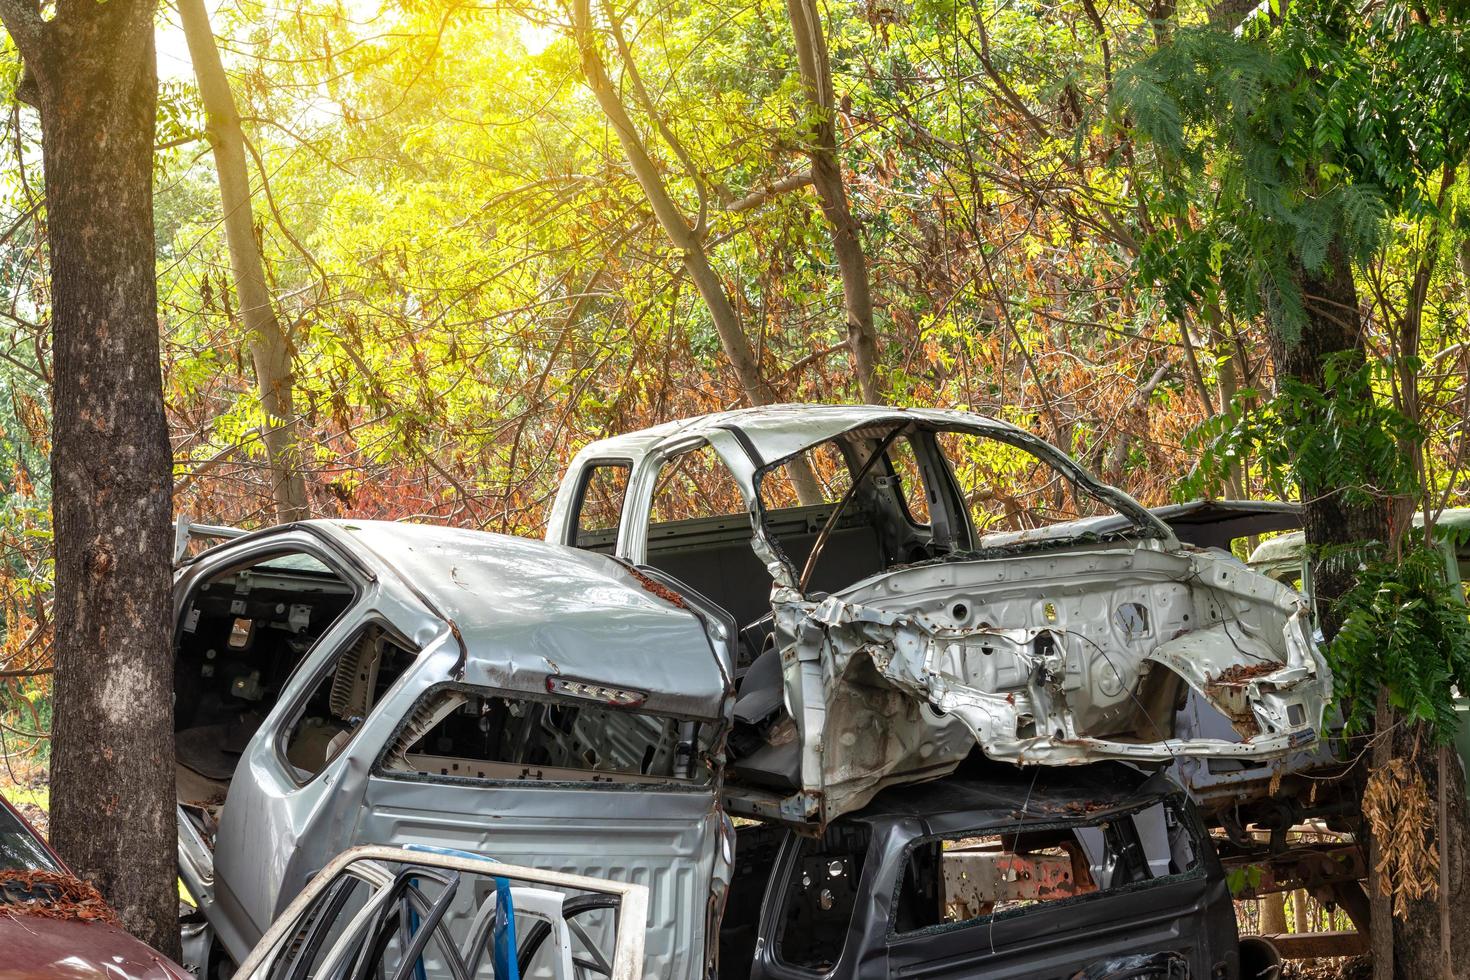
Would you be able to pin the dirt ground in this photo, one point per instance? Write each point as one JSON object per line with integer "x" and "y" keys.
{"x": 1349, "y": 968}
{"x": 28, "y": 788}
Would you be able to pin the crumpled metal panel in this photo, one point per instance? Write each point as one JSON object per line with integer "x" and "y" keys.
{"x": 1028, "y": 655}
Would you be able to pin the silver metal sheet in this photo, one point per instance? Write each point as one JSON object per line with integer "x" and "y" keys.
{"x": 666, "y": 841}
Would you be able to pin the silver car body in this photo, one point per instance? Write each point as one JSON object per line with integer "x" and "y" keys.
{"x": 477, "y": 612}
{"x": 1013, "y": 644}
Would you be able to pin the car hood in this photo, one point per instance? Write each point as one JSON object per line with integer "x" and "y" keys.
{"x": 74, "y": 949}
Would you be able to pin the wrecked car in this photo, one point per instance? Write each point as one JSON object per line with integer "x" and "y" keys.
{"x": 994, "y": 871}
{"x": 896, "y": 604}
{"x": 342, "y": 683}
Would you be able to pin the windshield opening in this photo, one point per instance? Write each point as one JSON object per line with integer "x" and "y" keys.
{"x": 933, "y": 493}
{"x": 1007, "y": 489}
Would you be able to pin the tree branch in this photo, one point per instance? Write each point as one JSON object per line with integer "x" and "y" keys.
{"x": 23, "y": 22}
{"x": 774, "y": 189}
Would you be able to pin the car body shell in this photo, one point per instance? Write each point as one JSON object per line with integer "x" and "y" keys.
{"x": 895, "y": 620}
{"x": 492, "y": 612}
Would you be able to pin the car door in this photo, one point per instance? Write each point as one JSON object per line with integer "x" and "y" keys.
{"x": 262, "y": 810}
{"x": 396, "y": 912}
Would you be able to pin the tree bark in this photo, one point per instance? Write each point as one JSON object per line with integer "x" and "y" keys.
{"x": 852, "y": 262}
{"x": 1333, "y": 325}
{"x": 112, "y": 813}
{"x": 269, "y": 346}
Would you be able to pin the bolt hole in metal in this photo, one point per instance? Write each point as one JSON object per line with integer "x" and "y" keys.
{"x": 959, "y": 612}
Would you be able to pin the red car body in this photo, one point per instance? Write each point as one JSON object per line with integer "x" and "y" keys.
{"x": 67, "y": 949}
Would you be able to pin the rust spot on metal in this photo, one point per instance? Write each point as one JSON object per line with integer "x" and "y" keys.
{"x": 1238, "y": 675}
{"x": 657, "y": 588}
{"x": 1074, "y": 806}
{"x": 1227, "y": 692}
{"x": 978, "y": 878}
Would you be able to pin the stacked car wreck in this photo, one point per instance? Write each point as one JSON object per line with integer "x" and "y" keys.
{"x": 776, "y": 613}
{"x": 1059, "y": 646}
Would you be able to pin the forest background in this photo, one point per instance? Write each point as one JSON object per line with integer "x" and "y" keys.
{"x": 410, "y": 257}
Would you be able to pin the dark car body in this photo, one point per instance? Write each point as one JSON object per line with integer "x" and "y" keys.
{"x": 36, "y": 946}
{"x": 868, "y": 898}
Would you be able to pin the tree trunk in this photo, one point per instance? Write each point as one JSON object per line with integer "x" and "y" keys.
{"x": 112, "y": 761}
{"x": 696, "y": 262}
{"x": 1417, "y": 950}
{"x": 269, "y": 346}
{"x": 1227, "y": 383}
{"x": 857, "y": 298}
{"x": 676, "y": 227}
{"x": 1333, "y": 325}
{"x": 1273, "y": 914}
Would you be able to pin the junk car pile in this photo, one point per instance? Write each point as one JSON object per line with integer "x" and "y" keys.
{"x": 809, "y": 617}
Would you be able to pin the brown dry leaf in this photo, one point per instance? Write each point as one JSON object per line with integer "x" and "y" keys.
{"x": 69, "y": 898}
{"x": 1400, "y": 813}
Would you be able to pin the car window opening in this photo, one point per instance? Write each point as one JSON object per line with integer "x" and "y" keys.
{"x": 368, "y": 665}
{"x": 821, "y": 896}
{"x": 241, "y": 635}
{"x": 599, "y": 505}
{"x": 959, "y": 880}
{"x": 1008, "y": 489}
{"x": 485, "y": 735}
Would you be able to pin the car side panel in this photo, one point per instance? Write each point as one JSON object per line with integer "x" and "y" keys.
{"x": 1057, "y": 943}
{"x": 666, "y": 839}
